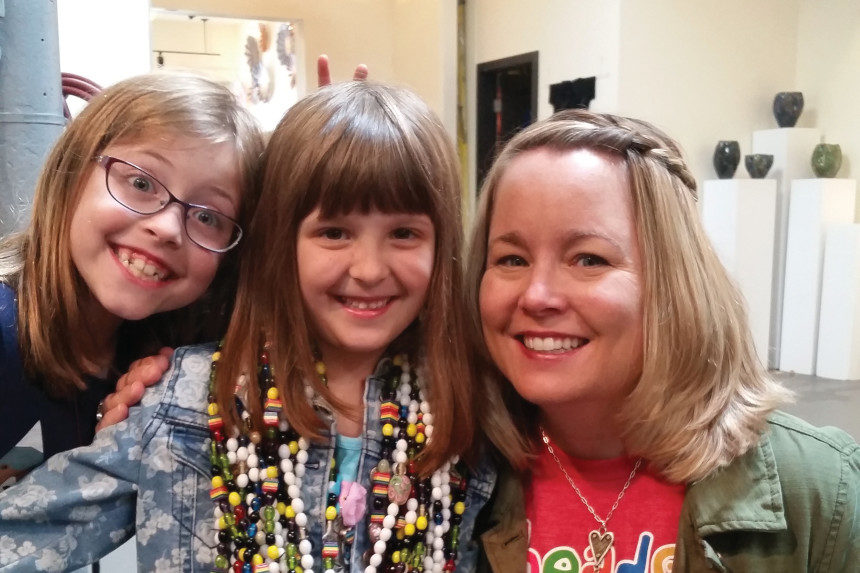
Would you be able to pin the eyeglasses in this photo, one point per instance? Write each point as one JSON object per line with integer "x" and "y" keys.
{"x": 138, "y": 191}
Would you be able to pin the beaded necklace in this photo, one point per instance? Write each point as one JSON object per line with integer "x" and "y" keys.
{"x": 261, "y": 524}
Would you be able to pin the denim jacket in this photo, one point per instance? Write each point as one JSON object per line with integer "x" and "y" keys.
{"x": 790, "y": 504}
{"x": 151, "y": 475}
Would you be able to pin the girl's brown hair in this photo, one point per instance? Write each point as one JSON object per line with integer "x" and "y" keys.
{"x": 357, "y": 146}
{"x": 37, "y": 263}
{"x": 703, "y": 395}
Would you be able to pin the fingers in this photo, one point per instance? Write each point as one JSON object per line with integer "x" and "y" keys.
{"x": 166, "y": 351}
{"x": 113, "y": 416}
{"x": 360, "y": 72}
{"x": 323, "y": 72}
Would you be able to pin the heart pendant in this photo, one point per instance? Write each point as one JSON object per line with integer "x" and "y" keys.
{"x": 600, "y": 544}
{"x": 399, "y": 489}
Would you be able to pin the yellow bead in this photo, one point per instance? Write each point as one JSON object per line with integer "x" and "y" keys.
{"x": 387, "y": 430}
{"x": 400, "y": 534}
{"x": 273, "y": 552}
{"x": 294, "y": 447}
{"x": 235, "y": 498}
{"x": 320, "y": 366}
{"x": 411, "y": 430}
{"x": 241, "y": 553}
{"x": 409, "y": 529}
{"x": 395, "y": 557}
{"x": 419, "y": 439}
{"x": 257, "y": 559}
{"x": 331, "y": 513}
{"x": 272, "y": 393}
{"x": 421, "y": 522}
{"x": 290, "y": 513}
{"x": 222, "y": 523}
{"x": 272, "y": 471}
{"x": 459, "y": 508}
{"x": 282, "y": 508}
{"x": 217, "y": 481}
{"x": 397, "y": 360}
{"x": 213, "y": 409}
{"x": 216, "y": 356}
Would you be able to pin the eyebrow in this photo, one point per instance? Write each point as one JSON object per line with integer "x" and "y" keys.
{"x": 215, "y": 188}
{"x": 515, "y": 239}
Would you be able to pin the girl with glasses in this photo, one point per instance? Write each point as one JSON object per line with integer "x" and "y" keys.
{"x": 113, "y": 265}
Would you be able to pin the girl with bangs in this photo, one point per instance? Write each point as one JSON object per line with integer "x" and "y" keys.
{"x": 326, "y": 432}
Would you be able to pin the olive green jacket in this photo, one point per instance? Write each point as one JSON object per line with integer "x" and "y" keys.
{"x": 789, "y": 504}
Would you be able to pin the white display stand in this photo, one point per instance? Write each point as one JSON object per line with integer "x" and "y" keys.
{"x": 791, "y": 148}
{"x": 739, "y": 216}
{"x": 839, "y": 325}
{"x": 815, "y": 206}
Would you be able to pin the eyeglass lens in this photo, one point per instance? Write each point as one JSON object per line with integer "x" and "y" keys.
{"x": 142, "y": 193}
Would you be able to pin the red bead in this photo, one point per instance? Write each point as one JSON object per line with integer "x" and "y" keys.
{"x": 449, "y": 566}
{"x": 239, "y": 512}
{"x": 217, "y": 435}
{"x": 411, "y": 468}
{"x": 237, "y": 566}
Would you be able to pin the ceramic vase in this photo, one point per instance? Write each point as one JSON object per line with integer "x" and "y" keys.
{"x": 787, "y": 107}
{"x": 727, "y": 155}
{"x": 758, "y": 164}
{"x": 826, "y": 159}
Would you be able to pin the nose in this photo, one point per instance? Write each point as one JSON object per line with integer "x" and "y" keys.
{"x": 368, "y": 264}
{"x": 543, "y": 293}
{"x": 167, "y": 225}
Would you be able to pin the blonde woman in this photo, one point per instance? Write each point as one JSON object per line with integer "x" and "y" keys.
{"x": 624, "y": 391}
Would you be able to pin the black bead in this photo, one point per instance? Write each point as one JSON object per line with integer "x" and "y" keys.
{"x": 254, "y": 516}
{"x": 224, "y": 506}
{"x": 244, "y": 440}
{"x": 223, "y": 536}
{"x": 243, "y": 524}
{"x": 332, "y": 499}
{"x": 270, "y": 538}
{"x": 378, "y": 502}
{"x": 292, "y": 536}
{"x": 223, "y": 549}
{"x": 456, "y": 518}
{"x": 268, "y": 498}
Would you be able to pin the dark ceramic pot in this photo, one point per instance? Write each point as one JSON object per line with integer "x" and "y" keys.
{"x": 758, "y": 164}
{"x": 787, "y": 107}
{"x": 727, "y": 155}
{"x": 826, "y": 159}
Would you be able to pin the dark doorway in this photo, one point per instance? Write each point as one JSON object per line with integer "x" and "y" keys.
{"x": 507, "y": 102}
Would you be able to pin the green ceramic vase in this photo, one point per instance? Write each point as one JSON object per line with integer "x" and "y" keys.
{"x": 826, "y": 159}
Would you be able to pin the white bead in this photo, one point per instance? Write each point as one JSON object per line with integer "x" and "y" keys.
{"x": 309, "y": 392}
{"x": 454, "y": 460}
{"x": 428, "y": 430}
{"x": 427, "y": 418}
{"x": 279, "y": 529}
{"x": 253, "y": 461}
{"x": 435, "y": 479}
{"x": 436, "y": 493}
{"x": 437, "y": 567}
{"x": 301, "y": 519}
{"x": 389, "y": 521}
{"x": 242, "y": 454}
{"x": 232, "y": 444}
{"x": 252, "y": 448}
{"x": 393, "y": 509}
{"x": 438, "y": 530}
{"x": 438, "y": 556}
{"x": 274, "y": 567}
{"x": 260, "y": 538}
{"x": 446, "y": 525}
{"x": 412, "y": 504}
{"x": 446, "y": 489}
{"x": 242, "y": 480}
{"x": 304, "y": 444}
{"x": 329, "y": 571}
{"x": 413, "y": 407}
{"x": 299, "y": 470}
{"x": 293, "y": 491}
{"x": 307, "y": 561}
{"x": 305, "y": 546}
{"x": 410, "y": 517}
{"x": 215, "y": 537}
{"x": 379, "y": 547}
{"x": 376, "y": 560}
{"x": 249, "y": 498}
{"x": 402, "y": 445}
{"x": 231, "y": 457}
{"x": 287, "y": 470}
{"x": 218, "y": 512}
{"x": 384, "y": 534}
{"x": 401, "y": 457}
{"x": 425, "y": 406}
{"x": 254, "y": 474}
{"x": 370, "y": 569}
{"x": 428, "y": 563}
{"x": 446, "y": 514}
{"x": 279, "y": 540}
{"x": 283, "y": 425}
{"x": 412, "y": 418}
{"x": 283, "y": 451}
{"x": 438, "y": 543}
{"x": 298, "y": 505}
{"x": 302, "y": 456}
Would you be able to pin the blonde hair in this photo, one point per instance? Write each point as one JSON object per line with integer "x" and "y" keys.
{"x": 352, "y": 147}
{"x": 703, "y": 395}
{"x": 37, "y": 263}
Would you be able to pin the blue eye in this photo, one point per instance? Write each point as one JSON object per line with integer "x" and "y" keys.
{"x": 589, "y": 260}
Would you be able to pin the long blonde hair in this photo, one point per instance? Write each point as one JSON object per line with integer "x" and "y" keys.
{"x": 37, "y": 263}
{"x": 352, "y": 147}
{"x": 703, "y": 395}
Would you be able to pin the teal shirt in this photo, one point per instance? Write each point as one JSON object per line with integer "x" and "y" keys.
{"x": 788, "y": 505}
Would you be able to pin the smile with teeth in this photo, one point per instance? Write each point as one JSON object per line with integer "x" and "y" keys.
{"x": 364, "y": 304}
{"x": 552, "y": 344}
{"x": 141, "y": 267}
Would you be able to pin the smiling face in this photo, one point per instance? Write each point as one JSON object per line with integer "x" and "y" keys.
{"x": 560, "y": 299}
{"x": 138, "y": 265}
{"x": 363, "y": 277}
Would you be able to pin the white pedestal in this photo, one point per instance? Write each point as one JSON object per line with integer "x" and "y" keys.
{"x": 739, "y": 216}
{"x": 791, "y": 148}
{"x": 816, "y": 205}
{"x": 839, "y": 325}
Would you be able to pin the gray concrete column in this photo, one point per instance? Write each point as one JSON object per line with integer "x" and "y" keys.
{"x": 31, "y": 107}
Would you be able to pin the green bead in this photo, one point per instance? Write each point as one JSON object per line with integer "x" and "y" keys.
{"x": 292, "y": 550}
{"x": 271, "y": 433}
{"x": 270, "y": 527}
{"x": 221, "y": 562}
{"x": 269, "y": 513}
{"x": 230, "y": 519}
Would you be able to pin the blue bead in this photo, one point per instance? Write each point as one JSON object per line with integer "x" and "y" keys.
{"x": 256, "y": 504}
{"x": 252, "y": 530}
{"x": 246, "y": 568}
{"x": 438, "y": 519}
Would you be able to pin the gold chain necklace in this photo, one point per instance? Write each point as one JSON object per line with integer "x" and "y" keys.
{"x": 600, "y": 540}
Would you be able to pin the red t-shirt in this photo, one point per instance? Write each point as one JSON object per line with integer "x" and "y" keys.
{"x": 644, "y": 525}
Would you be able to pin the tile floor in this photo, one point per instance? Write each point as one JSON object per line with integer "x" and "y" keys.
{"x": 825, "y": 402}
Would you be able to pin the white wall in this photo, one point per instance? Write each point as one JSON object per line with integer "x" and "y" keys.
{"x": 706, "y": 70}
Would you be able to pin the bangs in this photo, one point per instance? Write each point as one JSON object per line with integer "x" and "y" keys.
{"x": 373, "y": 164}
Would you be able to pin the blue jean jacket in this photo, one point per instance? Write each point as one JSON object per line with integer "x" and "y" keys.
{"x": 150, "y": 475}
